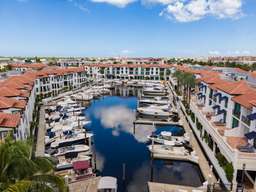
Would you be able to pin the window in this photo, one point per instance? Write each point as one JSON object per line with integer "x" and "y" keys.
{"x": 235, "y": 123}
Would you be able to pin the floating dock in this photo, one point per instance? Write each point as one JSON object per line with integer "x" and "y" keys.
{"x": 159, "y": 152}
{"x": 155, "y": 122}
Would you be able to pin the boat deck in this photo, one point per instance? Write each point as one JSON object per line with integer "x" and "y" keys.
{"x": 155, "y": 122}
{"x": 160, "y": 153}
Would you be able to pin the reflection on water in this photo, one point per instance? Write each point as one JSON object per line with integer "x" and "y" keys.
{"x": 112, "y": 123}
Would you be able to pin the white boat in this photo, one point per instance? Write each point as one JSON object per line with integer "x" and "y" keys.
{"x": 152, "y": 111}
{"x": 107, "y": 184}
{"x": 163, "y": 107}
{"x": 154, "y": 91}
{"x": 166, "y": 138}
{"x": 72, "y": 149}
{"x": 48, "y": 140}
{"x": 154, "y": 101}
{"x": 68, "y": 140}
{"x": 83, "y": 96}
{"x": 68, "y": 163}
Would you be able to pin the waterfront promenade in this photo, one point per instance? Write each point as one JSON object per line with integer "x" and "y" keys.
{"x": 203, "y": 163}
{"x": 40, "y": 145}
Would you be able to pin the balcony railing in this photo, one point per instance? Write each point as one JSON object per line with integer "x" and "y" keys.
{"x": 237, "y": 114}
{"x": 246, "y": 120}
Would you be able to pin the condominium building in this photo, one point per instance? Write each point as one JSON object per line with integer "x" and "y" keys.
{"x": 18, "y": 95}
{"x": 223, "y": 117}
{"x": 129, "y": 71}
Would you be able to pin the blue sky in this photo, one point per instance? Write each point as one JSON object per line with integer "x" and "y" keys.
{"x": 127, "y": 27}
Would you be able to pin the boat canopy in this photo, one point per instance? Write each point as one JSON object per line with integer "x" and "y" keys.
{"x": 107, "y": 183}
{"x": 166, "y": 133}
{"x": 251, "y": 135}
{"x": 252, "y": 116}
{"x": 81, "y": 165}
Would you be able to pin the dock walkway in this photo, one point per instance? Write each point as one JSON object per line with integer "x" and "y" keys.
{"x": 203, "y": 163}
{"x": 40, "y": 145}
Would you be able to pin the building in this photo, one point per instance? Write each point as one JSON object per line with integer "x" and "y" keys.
{"x": 129, "y": 71}
{"x": 25, "y": 66}
{"x": 223, "y": 117}
{"x": 18, "y": 95}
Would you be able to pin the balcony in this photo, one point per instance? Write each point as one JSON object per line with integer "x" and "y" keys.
{"x": 227, "y": 143}
{"x": 246, "y": 120}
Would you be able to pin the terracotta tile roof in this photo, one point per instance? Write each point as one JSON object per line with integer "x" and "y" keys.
{"x": 9, "y": 120}
{"x": 36, "y": 66}
{"x": 130, "y": 65}
{"x": 6, "y": 103}
{"x": 247, "y": 100}
{"x": 9, "y": 92}
{"x": 252, "y": 74}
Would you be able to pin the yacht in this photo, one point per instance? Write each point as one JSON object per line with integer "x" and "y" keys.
{"x": 154, "y": 91}
{"x": 155, "y": 100}
{"x": 68, "y": 140}
{"x": 68, "y": 163}
{"x": 166, "y": 138}
{"x": 72, "y": 149}
{"x": 153, "y": 111}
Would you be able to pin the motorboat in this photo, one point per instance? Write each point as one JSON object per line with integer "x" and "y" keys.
{"x": 155, "y": 100}
{"x": 107, "y": 184}
{"x": 163, "y": 107}
{"x": 154, "y": 91}
{"x": 68, "y": 163}
{"x": 68, "y": 140}
{"x": 166, "y": 138}
{"x": 83, "y": 96}
{"x": 153, "y": 111}
{"x": 72, "y": 149}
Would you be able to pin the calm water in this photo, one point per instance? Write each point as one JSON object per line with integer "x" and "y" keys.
{"x": 116, "y": 147}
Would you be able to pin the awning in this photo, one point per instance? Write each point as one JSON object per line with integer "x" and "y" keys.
{"x": 252, "y": 116}
{"x": 216, "y": 107}
{"x": 217, "y": 94}
{"x": 81, "y": 165}
{"x": 223, "y": 98}
{"x": 221, "y": 111}
{"x": 251, "y": 135}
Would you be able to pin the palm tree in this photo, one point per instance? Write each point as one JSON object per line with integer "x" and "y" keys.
{"x": 185, "y": 81}
{"x": 20, "y": 172}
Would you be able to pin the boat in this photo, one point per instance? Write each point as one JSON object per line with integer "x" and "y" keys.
{"x": 166, "y": 138}
{"x": 153, "y": 111}
{"x": 154, "y": 91}
{"x": 155, "y": 100}
{"x": 68, "y": 163}
{"x": 68, "y": 140}
{"x": 83, "y": 96}
{"x": 107, "y": 184}
{"x": 72, "y": 149}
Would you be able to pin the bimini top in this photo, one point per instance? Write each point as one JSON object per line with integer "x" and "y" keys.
{"x": 107, "y": 183}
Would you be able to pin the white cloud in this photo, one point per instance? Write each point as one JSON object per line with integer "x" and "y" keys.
{"x": 126, "y": 52}
{"x": 214, "y": 52}
{"x": 193, "y": 10}
{"x": 117, "y": 3}
{"x": 22, "y": 1}
{"x": 80, "y": 5}
{"x": 120, "y": 118}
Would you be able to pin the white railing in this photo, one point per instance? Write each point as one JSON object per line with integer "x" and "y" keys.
{"x": 223, "y": 145}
